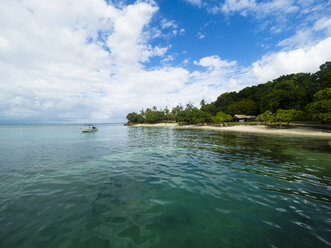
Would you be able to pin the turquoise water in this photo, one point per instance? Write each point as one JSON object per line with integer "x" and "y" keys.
{"x": 160, "y": 187}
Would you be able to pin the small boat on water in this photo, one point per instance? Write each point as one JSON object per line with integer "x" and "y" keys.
{"x": 89, "y": 129}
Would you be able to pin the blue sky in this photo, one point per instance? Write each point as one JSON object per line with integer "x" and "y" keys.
{"x": 244, "y": 35}
{"x": 205, "y": 33}
{"x": 95, "y": 61}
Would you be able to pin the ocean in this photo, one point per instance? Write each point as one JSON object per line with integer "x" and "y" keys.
{"x": 161, "y": 187}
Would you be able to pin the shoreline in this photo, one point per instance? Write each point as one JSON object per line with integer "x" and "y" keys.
{"x": 258, "y": 129}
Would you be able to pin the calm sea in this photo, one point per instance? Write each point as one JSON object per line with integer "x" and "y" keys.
{"x": 161, "y": 187}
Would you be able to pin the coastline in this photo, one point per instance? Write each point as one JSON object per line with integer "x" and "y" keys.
{"x": 259, "y": 129}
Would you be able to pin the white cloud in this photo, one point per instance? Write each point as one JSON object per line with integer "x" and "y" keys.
{"x": 214, "y": 62}
{"x": 186, "y": 61}
{"x": 237, "y": 5}
{"x": 278, "y": 15}
{"x": 323, "y": 24}
{"x": 168, "y": 59}
{"x": 194, "y": 2}
{"x": 274, "y": 6}
{"x": 201, "y": 36}
{"x": 88, "y": 65}
{"x": 305, "y": 59}
{"x": 55, "y": 68}
{"x": 260, "y": 8}
{"x": 301, "y": 38}
{"x": 126, "y": 43}
{"x": 309, "y": 35}
{"x": 168, "y": 24}
{"x": 223, "y": 75}
{"x": 220, "y": 76}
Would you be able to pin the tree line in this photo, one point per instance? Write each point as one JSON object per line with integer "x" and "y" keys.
{"x": 300, "y": 96}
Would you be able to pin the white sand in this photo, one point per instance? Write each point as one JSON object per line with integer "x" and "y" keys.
{"x": 157, "y": 125}
{"x": 302, "y": 131}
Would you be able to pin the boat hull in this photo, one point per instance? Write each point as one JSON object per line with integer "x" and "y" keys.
{"x": 87, "y": 130}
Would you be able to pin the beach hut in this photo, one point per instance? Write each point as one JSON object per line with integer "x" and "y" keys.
{"x": 244, "y": 118}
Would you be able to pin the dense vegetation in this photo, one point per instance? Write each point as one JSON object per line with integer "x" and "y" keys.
{"x": 301, "y": 96}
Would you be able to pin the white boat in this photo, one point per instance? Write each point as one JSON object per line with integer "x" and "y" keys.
{"x": 89, "y": 129}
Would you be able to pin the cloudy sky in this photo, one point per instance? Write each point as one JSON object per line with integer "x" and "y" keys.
{"x": 97, "y": 60}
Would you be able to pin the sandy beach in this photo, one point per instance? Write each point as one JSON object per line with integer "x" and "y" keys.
{"x": 296, "y": 131}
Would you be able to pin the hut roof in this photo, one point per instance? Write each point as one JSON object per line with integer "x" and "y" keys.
{"x": 244, "y": 116}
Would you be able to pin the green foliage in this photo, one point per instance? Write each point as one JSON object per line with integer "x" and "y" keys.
{"x": 201, "y": 117}
{"x": 324, "y": 117}
{"x": 282, "y": 99}
{"x": 221, "y": 117}
{"x": 320, "y": 108}
{"x": 286, "y": 94}
{"x": 282, "y": 115}
{"x": 245, "y": 106}
{"x": 323, "y": 76}
{"x": 167, "y": 114}
{"x": 154, "y": 116}
{"x": 134, "y": 118}
{"x": 288, "y": 115}
{"x": 209, "y": 108}
{"x": 176, "y": 110}
{"x": 192, "y": 115}
{"x": 323, "y": 95}
{"x": 151, "y": 116}
{"x": 268, "y": 116}
{"x": 226, "y": 99}
{"x": 292, "y": 91}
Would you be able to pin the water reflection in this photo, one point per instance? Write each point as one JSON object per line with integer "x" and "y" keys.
{"x": 288, "y": 174}
{"x": 161, "y": 187}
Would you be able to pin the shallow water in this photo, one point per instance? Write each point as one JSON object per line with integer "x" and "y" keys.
{"x": 161, "y": 187}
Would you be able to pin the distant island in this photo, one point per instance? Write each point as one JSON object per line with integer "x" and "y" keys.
{"x": 295, "y": 97}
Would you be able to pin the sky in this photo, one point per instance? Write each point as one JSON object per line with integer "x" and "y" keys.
{"x": 74, "y": 61}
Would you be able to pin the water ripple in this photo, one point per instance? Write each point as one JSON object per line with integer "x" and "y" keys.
{"x": 157, "y": 187}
